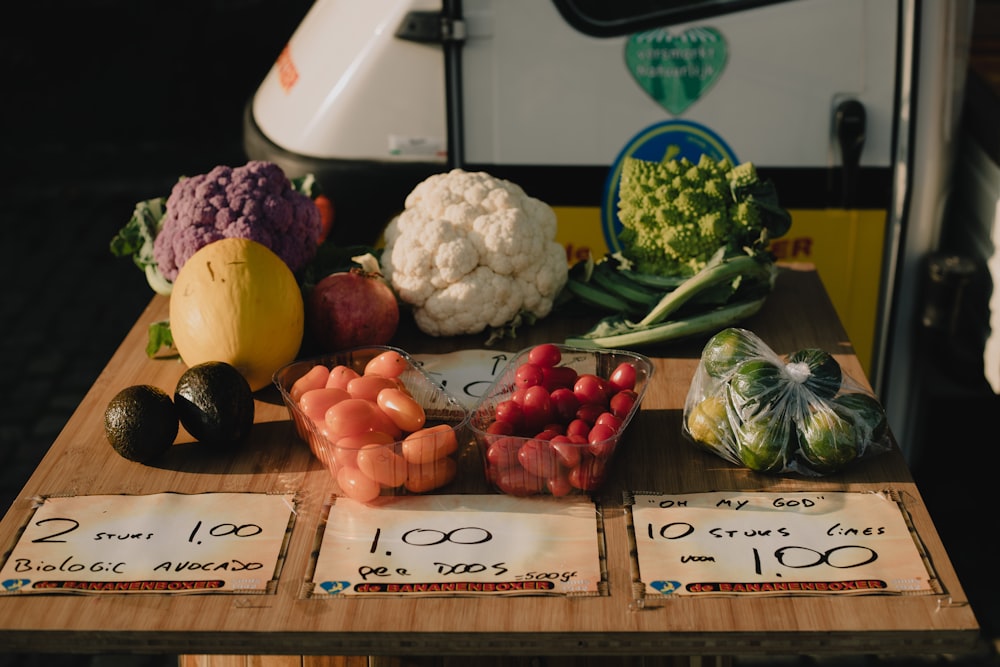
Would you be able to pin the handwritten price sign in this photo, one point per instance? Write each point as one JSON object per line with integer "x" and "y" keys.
{"x": 460, "y": 545}
{"x": 741, "y": 543}
{"x": 161, "y": 543}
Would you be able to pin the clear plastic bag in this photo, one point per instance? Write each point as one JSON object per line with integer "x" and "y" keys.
{"x": 795, "y": 414}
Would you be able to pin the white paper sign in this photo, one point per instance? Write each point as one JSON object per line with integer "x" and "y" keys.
{"x": 160, "y": 543}
{"x": 457, "y": 545}
{"x": 465, "y": 374}
{"x": 747, "y": 543}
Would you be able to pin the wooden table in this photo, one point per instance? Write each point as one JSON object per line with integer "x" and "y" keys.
{"x": 222, "y": 629}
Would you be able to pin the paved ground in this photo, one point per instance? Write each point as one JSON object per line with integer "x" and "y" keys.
{"x": 95, "y": 119}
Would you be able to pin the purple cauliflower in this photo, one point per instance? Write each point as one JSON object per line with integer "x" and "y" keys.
{"x": 255, "y": 201}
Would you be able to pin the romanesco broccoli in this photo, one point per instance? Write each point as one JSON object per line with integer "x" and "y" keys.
{"x": 675, "y": 214}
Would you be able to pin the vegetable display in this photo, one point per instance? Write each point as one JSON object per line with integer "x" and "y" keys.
{"x": 694, "y": 253}
{"x": 800, "y": 414}
{"x": 472, "y": 252}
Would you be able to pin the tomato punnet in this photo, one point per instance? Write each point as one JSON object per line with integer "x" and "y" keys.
{"x": 377, "y": 429}
{"x": 557, "y": 432}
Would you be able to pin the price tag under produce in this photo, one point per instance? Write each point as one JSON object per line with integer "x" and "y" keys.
{"x": 461, "y": 545}
{"x": 747, "y": 543}
{"x": 162, "y": 543}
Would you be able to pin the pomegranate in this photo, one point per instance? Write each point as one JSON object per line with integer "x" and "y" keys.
{"x": 352, "y": 308}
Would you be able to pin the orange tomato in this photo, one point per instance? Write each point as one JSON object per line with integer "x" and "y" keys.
{"x": 383, "y": 465}
{"x": 423, "y": 477}
{"x": 429, "y": 444}
{"x": 402, "y": 409}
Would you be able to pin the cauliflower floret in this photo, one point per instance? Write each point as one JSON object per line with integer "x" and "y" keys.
{"x": 255, "y": 201}
{"x": 471, "y": 251}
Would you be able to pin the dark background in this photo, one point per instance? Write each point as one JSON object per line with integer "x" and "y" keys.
{"x": 107, "y": 102}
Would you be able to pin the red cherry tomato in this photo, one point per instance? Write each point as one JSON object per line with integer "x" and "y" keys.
{"x": 589, "y": 475}
{"x": 538, "y": 458}
{"x": 622, "y": 403}
{"x": 610, "y": 420}
{"x": 623, "y": 377}
{"x": 545, "y": 355}
{"x": 516, "y": 481}
{"x": 500, "y": 427}
{"x": 528, "y": 375}
{"x": 590, "y": 388}
{"x": 511, "y": 412}
{"x": 502, "y": 452}
{"x": 559, "y": 376}
{"x": 537, "y": 407}
{"x": 589, "y": 412}
{"x": 567, "y": 452}
{"x": 578, "y": 427}
{"x": 559, "y": 485}
{"x": 602, "y": 441}
{"x": 564, "y": 404}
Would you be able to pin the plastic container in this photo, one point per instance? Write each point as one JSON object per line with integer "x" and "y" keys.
{"x": 418, "y": 460}
{"x": 531, "y": 462}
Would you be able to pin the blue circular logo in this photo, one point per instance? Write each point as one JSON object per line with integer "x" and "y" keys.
{"x": 669, "y": 140}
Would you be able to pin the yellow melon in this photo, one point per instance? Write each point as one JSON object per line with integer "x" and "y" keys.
{"x": 236, "y": 301}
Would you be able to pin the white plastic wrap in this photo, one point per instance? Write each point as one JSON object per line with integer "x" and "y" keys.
{"x": 795, "y": 414}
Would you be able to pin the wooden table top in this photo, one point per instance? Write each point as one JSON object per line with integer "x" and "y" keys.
{"x": 797, "y": 315}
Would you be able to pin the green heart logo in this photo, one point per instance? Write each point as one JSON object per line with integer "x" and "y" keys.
{"x": 676, "y": 69}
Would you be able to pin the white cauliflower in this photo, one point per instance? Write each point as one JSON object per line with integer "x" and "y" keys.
{"x": 471, "y": 251}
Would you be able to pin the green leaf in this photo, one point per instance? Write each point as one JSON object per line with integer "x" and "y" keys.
{"x": 159, "y": 336}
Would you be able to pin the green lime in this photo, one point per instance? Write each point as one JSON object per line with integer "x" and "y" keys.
{"x": 708, "y": 423}
{"x": 757, "y": 387}
{"x": 817, "y": 370}
{"x": 867, "y": 414}
{"x": 728, "y": 349}
{"x": 140, "y": 422}
{"x": 763, "y": 444}
{"x": 827, "y": 440}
